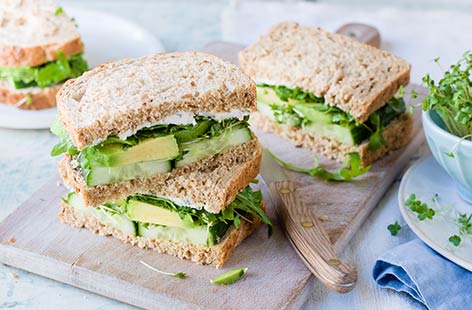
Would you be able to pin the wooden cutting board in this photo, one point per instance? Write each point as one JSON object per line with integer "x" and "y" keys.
{"x": 276, "y": 278}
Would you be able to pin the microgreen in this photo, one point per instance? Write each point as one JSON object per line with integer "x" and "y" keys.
{"x": 451, "y": 97}
{"x": 394, "y": 228}
{"x": 421, "y": 208}
{"x": 456, "y": 240}
{"x": 350, "y": 169}
{"x": 463, "y": 221}
{"x": 180, "y": 275}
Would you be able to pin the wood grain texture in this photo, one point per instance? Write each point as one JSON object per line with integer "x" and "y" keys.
{"x": 276, "y": 278}
{"x": 104, "y": 265}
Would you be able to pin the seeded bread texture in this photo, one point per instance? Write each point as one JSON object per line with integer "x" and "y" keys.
{"x": 355, "y": 77}
{"x": 214, "y": 181}
{"x": 31, "y": 33}
{"x": 120, "y": 97}
{"x": 204, "y": 255}
{"x": 397, "y": 134}
{"x": 44, "y": 98}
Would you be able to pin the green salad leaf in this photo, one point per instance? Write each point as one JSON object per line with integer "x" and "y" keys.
{"x": 394, "y": 228}
{"x": 451, "y": 97}
{"x": 350, "y": 169}
{"x": 48, "y": 74}
{"x": 65, "y": 144}
{"x": 420, "y": 208}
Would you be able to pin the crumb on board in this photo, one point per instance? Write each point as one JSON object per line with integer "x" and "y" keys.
{"x": 58, "y": 183}
{"x": 11, "y": 240}
{"x": 323, "y": 218}
{"x": 13, "y": 275}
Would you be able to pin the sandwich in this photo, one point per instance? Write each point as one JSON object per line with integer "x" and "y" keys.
{"x": 328, "y": 92}
{"x": 40, "y": 48}
{"x": 159, "y": 154}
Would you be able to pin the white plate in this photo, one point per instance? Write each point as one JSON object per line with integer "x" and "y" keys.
{"x": 425, "y": 179}
{"x": 106, "y": 37}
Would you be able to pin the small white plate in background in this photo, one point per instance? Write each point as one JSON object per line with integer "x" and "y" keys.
{"x": 106, "y": 37}
{"x": 425, "y": 179}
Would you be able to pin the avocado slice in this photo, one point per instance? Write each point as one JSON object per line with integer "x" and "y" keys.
{"x": 159, "y": 148}
{"x": 268, "y": 96}
{"x": 148, "y": 213}
{"x": 99, "y": 175}
{"x": 200, "y": 149}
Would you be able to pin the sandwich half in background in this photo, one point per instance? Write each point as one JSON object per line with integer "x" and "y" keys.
{"x": 159, "y": 154}
{"x": 328, "y": 93}
{"x": 40, "y": 48}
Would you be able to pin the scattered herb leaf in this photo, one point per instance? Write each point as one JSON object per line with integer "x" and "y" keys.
{"x": 351, "y": 168}
{"x": 59, "y": 11}
{"x": 456, "y": 240}
{"x": 394, "y": 228}
{"x": 229, "y": 277}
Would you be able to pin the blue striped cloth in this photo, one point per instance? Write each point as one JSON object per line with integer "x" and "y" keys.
{"x": 426, "y": 276}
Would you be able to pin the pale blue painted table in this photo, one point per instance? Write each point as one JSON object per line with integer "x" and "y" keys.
{"x": 25, "y": 165}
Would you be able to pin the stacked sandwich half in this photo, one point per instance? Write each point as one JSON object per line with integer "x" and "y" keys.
{"x": 40, "y": 48}
{"x": 328, "y": 92}
{"x": 158, "y": 153}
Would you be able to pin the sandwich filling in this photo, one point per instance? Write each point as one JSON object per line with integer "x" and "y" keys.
{"x": 296, "y": 108}
{"x": 45, "y": 75}
{"x": 152, "y": 150}
{"x": 158, "y": 218}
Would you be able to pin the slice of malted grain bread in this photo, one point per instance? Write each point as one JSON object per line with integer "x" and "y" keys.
{"x": 397, "y": 134}
{"x": 355, "y": 77}
{"x": 32, "y": 31}
{"x": 118, "y": 98}
{"x": 30, "y": 98}
{"x": 212, "y": 255}
{"x": 212, "y": 183}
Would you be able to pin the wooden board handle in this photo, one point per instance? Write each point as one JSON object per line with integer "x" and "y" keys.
{"x": 361, "y": 32}
{"x": 310, "y": 240}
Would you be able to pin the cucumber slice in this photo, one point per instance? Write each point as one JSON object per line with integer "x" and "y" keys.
{"x": 99, "y": 175}
{"x": 198, "y": 150}
{"x": 118, "y": 221}
{"x": 194, "y": 235}
{"x": 345, "y": 135}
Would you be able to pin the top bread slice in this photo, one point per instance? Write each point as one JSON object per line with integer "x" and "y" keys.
{"x": 31, "y": 33}
{"x": 353, "y": 76}
{"x": 118, "y": 98}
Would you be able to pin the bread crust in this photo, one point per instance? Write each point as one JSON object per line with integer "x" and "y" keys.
{"x": 31, "y": 56}
{"x": 397, "y": 134}
{"x": 214, "y": 181}
{"x": 119, "y": 97}
{"x": 215, "y": 255}
{"x": 40, "y": 98}
{"x": 353, "y": 76}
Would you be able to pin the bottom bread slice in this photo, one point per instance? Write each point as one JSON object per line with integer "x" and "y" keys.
{"x": 215, "y": 255}
{"x": 41, "y": 98}
{"x": 397, "y": 134}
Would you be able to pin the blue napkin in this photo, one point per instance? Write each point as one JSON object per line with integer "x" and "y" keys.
{"x": 422, "y": 273}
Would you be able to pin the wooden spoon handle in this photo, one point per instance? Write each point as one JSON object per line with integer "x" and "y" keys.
{"x": 361, "y": 32}
{"x": 310, "y": 240}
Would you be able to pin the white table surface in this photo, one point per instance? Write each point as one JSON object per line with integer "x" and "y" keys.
{"x": 25, "y": 165}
